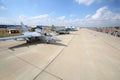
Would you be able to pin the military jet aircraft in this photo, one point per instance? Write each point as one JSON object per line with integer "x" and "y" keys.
{"x": 37, "y": 35}
{"x": 63, "y": 31}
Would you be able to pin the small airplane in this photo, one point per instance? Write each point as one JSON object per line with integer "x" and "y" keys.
{"x": 63, "y": 31}
{"x": 38, "y": 35}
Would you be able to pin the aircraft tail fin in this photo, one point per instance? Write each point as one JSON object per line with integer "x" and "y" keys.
{"x": 24, "y": 27}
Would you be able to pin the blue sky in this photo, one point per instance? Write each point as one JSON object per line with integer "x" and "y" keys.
{"x": 88, "y": 13}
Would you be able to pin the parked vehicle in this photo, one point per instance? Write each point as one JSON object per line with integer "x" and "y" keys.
{"x": 63, "y": 31}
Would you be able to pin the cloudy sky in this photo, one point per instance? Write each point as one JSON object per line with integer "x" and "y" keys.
{"x": 84, "y": 13}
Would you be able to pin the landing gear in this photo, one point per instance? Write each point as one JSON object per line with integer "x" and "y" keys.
{"x": 28, "y": 41}
{"x": 33, "y": 39}
{"x": 48, "y": 41}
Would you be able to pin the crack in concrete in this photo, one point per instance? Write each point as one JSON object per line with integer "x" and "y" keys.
{"x": 104, "y": 41}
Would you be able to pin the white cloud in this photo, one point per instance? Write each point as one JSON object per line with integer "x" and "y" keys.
{"x": 44, "y": 16}
{"x": 86, "y": 2}
{"x": 34, "y": 20}
{"x": 61, "y": 18}
{"x": 102, "y": 17}
{"x": 104, "y": 13}
{"x": 89, "y": 2}
{"x": 99, "y": 12}
{"x": 22, "y": 17}
{"x": 3, "y": 8}
{"x": 87, "y": 16}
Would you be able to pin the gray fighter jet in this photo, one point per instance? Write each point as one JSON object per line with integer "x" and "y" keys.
{"x": 37, "y": 35}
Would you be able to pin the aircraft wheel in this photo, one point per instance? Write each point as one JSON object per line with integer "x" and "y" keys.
{"x": 28, "y": 41}
{"x": 53, "y": 41}
{"x": 48, "y": 41}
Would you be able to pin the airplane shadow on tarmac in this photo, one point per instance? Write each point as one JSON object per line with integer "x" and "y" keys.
{"x": 59, "y": 44}
{"x": 33, "y": 43}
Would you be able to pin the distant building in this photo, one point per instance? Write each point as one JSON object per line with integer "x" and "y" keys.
{"x": 11, "y": 29}
{"x": 47, "y": 29}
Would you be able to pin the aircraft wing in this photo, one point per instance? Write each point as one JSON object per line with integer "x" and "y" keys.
{"x": 52, "y": 38}
{"x": 15, "y": 37}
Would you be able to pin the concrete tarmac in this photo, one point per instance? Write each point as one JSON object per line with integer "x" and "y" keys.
{"x": 82, "y": 55}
